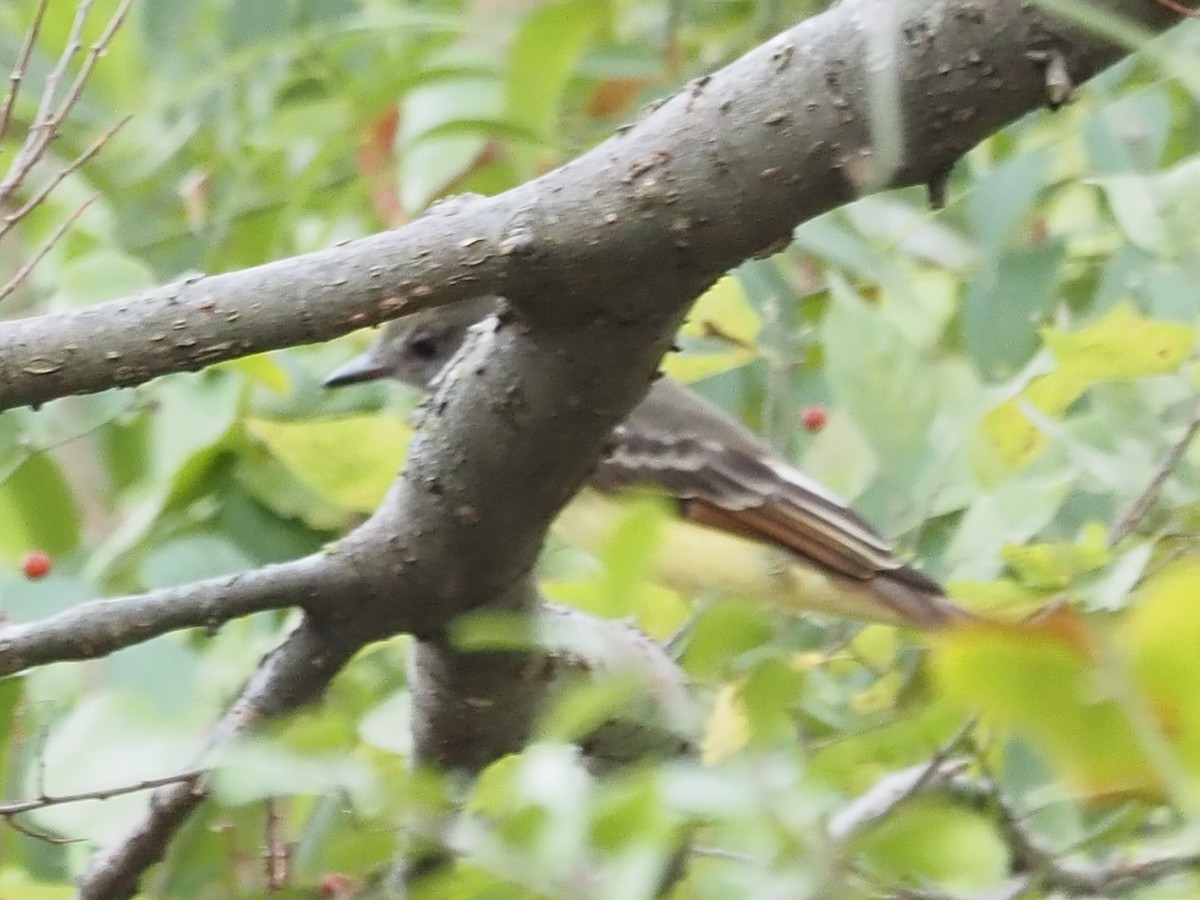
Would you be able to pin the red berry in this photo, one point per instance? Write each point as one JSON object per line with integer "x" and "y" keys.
{"x": 337, "y": 886}
{"x": 36, "y": 564}
{"x": 814, "y": 418}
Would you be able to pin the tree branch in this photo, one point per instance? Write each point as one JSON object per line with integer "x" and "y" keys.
{"x": 291, "y": 676}
{"x": 104, "y": 626}
{"x": 599, "y": 259}
{"x": 716, "y": 173}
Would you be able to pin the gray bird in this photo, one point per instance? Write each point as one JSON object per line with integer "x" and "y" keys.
{"x": 749, "y": 523}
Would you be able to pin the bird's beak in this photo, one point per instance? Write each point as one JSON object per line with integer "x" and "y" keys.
{"x": 364, "y": 367}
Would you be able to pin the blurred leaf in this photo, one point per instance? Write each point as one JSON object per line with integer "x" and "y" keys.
{"x": 719, "y": 334}
{"x": 1155, "y": 211}
{"x": 1044, "y": 680}
{"x": 89, "y": 750}
{"x": 428, "y": 165}
{"x": 15, "y": 885}
{"x": 543, "y": 56}
{"x": 258, "y": 769}
{"x": 722, "y": 632}
{"x": 928, "y": 840}
{"x": 1055, "y": 566}
{"x": 583, "y": 707}
{"x": 194, "y": 414}
{"x": 879, "y": 378}
{"x": 263, "y": 369}
{"x": 351, "y": 461}
{"x": 37, "y": 509}
{"x": 1004, "y": 195}
{"x": 728, "y": 727}
{"x": 389, "y": 725}
{"x": 101, "y": 276}
{"x": 191, "y": 558}
{"x": 1121, "y": 345}
{"x": 1162, "y": 634}
{"x": 1005, "y": 306}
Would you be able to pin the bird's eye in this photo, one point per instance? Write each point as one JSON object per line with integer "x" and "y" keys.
{"x": 424, "y": 347}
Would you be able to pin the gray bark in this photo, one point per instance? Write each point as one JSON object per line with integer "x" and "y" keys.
{"x": 600, "y": 260}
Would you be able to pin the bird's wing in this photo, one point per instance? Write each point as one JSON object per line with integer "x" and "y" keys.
{"x": 725, "y": 477}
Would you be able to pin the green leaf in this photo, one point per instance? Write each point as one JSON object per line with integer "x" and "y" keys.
{"x": 257, "y": 769}
{"x": 1055, "y": 566}
{"x": 101, "y": 276}
{"x": 880, "y": 378}
{"x": 37, "y": 509}
{"x": 931, "y": 840}
{"x": 1004, "y": 195}
{"x": 1120, "y": 346}
{"x": 1005, "y": 306}
{"x": 1163, "y": 633}
{"x": 543, "y": 57}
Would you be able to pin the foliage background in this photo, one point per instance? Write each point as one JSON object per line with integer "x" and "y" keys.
{"x": 1003, "y": 380}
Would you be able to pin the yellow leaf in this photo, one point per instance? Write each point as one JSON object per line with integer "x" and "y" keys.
{"x": 724, "y": 318}
{"x": 728, "y": 728}
{"x": 1163, "y": 635}
{"x": 1122, "y": 345}
{"x": 1055, "y": 566}
{"x": 877, "y": 646}
{"x": 1043, "y": 680}
{"x": 880, "y": 695}
{"x": 350, "y": 461}
{"x": 262, "y": 369}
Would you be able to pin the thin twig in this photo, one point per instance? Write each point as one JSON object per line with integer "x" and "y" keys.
{"x": 23, "y": 272}
{"x": 89, "y": 63}
{"x": 49, "y": 116}
{"x": 1137, "y": 511}
{"x": 44, "y": 127}
{"x": 7, "y": 810}
{"x": 290, "y": 676}
{"x": 7, "y": 223}
{"x": 276, "y": 855}
{"x": 18, "y": 71}
{"x": 894, "y": 790}
{"x": 1179, "y": 8}
{"x": 17, "y": 825}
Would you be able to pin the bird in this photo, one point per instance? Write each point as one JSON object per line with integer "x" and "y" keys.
{"x": 748, "y": 522}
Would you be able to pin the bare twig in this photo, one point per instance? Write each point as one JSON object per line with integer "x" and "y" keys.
{"x": 1176, "y": 7}
{"x": 1137, "y": 511}
{"x": 892, "y": 791}
{"x": 45, "y": 125}
{"x": 276, "y": 853}
{"x": 291, "y": 676}
{"x": 7, "y": 810}
{"x": 51, "y": 113}
{"x": 89, "y": 63}
{"x": 33, "y": 202}
{"x": 23, "y": 272}
{"x": 22, "y": 63}
{"x": 1075, "y": 876}
{"x": 1010, "y": 890}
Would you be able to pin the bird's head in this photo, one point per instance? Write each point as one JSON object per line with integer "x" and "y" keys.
{"x": 416, "y": 348}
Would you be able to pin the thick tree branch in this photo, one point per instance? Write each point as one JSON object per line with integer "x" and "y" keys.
{"x": 599, "y": 259}
{"x": 718, "y": 172}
